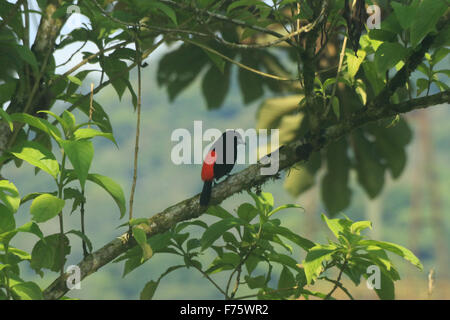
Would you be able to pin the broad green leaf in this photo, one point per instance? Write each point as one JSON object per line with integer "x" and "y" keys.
{"x": 28, "y": 291}
{"x": 5, "y": 116}
{"x": 139, "y": 235}
{"x": 7, "y": 91}
{"x": 338, "y": 226}
{"x": 7, "y": 221}
{"x": 354, "y": 62}
{"x": 45, "y": 207}
{"x": 9, "y": 195}
{"x": 359, "y": 226}
{"x": 28, "y": 56}
{"x": 313, "y": 261}
{"x": 80, "y": 154}
{"x": 82, "y": 236}
{"x": 288, "y": 234}
{"x": 251, "y": 84}
{"x": 22, "y": 255}
{"x": 247, "y": 212}
{"x": 46, "y": 253}
{"x": 62, "y": 121}
{"x": 255, "y": 282}
{"x": 33, "y": 228}
{"x": 112, "y": 188}
{"x": 286, "y": 280}
{"x": 149, "y": 290}
{"x": 216, "y": 230}
{"x": 397, "y": 249}
{"x": 388, "y": 55}
{"x": 219, "y": 212}
{"x": 118, "y": 73}
{"x": 37, "y": 123}
{"x": 38, "y": 156}
{"x": 405, "y": 13}
{"x": 434, "y": 10}
{"x": 335, "y": 191}
{"x": 75, "y": 80}
{"x": 88, "y": 133}
{"x": 368, "y": 165}
{"x": 218, "y": 61}
{"x": 215, "y": 87}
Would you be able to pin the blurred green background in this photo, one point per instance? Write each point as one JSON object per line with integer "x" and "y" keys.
{"x": 402, "y": 214}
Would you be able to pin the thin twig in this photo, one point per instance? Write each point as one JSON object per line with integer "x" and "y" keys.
{"x": 138, "y": 128}
{"x": 243, "y": 66}
{"x": 336, "y": 284}
{"x": 340, "y": 285}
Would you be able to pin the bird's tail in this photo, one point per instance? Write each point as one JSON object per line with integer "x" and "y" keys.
{"x": 206, "y": 193}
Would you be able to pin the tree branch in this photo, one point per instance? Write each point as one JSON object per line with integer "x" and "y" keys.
{"x": 244, "y": 180}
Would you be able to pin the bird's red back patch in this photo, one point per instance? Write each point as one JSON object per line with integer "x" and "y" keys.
{"x": 208, "y": 166}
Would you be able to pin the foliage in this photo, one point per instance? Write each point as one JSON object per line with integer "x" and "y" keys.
{"x": 50, "y": 251}
{"x": 247, "y": 246}
{"x": 280, "y": 47}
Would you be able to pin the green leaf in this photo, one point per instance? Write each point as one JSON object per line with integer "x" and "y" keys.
{"x": 82, "y": 236}
{"x": 7, "y": 91}
{"x": 255, "y": 282}
{"x": 45, "y": 207}
{"x": 58, "y": 118}
{"x": 215, "y": 87}
{"x": 37, "y": 123}
{"x": 335, "y": 191}
{"x": 80, "y": 154}
{"x": 28, "y": 56}
{"x": 313, "y": 261}
{"x": 217, "y": 60}
{"x": 288, "y": 234}
{"x": 114, "y": 190}
{"x": 216, "y": 230}
{"x": 335, "y": 105}
{"x": 405, "y": 13}
{"x": 117, "y": 72}
{"x": 149, "y": 290}
{"x": 75, "y": 80}
{"x": 388, "y": 55}
{"x": 88, "y": 133}
{"x": 286, "y": 206}
{"x": 390, "y": 144}
{"x": 368, "y": 166}
{"x": 28, "y": 291}
{"x": 219, "y": 212}
{"x": 339, "y": 227}
{"x": 5, "y": 116}
{"x": 38, "y": 156}
{"x": 46, "y": 253}
{"x": 9, "y": 195}
{"x": 247, "y": 212}
{"x": 286, "y": 280}
{"x": 422, "y": 85}
{"x": 359, "y": 226}
{"x": 250, "y": 84}
{"x": 434, "y": 10}
{"x": 7, "y": 221}
{"x": 33, "y": 228}
{"x": 354, "y": 62}
{"x": 397, "y": 249}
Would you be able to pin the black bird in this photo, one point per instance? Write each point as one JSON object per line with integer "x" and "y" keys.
{"x": 219, "y": 162}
